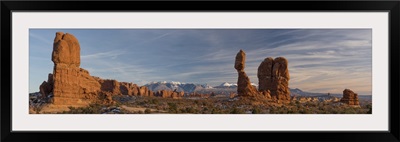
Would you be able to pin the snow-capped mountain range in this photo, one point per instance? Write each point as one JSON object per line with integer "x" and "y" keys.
{"x": 191, "y": 87}
{"x": 224, "y": 88}
{"x": 178, "y": 86}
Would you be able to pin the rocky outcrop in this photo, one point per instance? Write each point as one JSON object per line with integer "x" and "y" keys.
{"x": 74, "y": 86}
{"x": 244, "y": 85}
{"x": 144, "y": 91}
{"x": 66, "y": 50}
{"x": 273, "y": 76}
{"x": 266, "y": 94}
{"x": 46, "y": 87}
{"x": 349, "y": 97}
{"x": 264, "y": 74}
{"x": 111, "y": 86}
{"x": 169, "y": 94}
{"x": 280, "y": 80}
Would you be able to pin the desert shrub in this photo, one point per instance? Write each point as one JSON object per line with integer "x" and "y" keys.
{"x": 237, "y": 111}
{"x": 147, "y": 111}
{"x": 172, "y": 107}
{"x": 369, "y": 107}
{"x": 190, "y": 110}
{"x": 205, "y": 109}
{"x": 154, "y": 101}
{"x": 348, "y": 110}
{"x": 256, "y": 110}
{"x": 215, "y": 111}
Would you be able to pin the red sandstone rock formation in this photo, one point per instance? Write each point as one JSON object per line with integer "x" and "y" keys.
{"x": 264, "y": 74}
{"x": 266, "y": 94}
{"x": 273, "y": 76}
{"x": 111, "y": 86}
{"x": 244, "y": 85}
{"x": 349, "y": 97}
{"x": 280, "y": 79}
{"x": 46, "y": 87}
{"x": 169, "y": 94}
{"x": 73, "y": 86}
{"x": 66, "y": 50}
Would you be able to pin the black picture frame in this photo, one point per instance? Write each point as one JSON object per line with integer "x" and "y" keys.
{"x": 393, "y": 7}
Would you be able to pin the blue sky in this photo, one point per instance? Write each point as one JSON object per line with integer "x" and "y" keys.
{"x": 320, "y": 60}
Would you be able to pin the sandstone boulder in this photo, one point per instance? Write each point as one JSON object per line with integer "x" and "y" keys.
{"x": 240, "y": 60}
{"x": 349, "y": 97}
{"x": 66, "y": 49}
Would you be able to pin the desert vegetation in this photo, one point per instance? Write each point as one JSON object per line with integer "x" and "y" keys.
{"x": 156, "y": 105}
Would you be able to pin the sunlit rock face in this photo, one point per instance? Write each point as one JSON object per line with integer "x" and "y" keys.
{"x": 74, "y": 86}
{"x": 244, "y": 85}
{"x": 273, "y": 76}
{"x": 349, "y": 97}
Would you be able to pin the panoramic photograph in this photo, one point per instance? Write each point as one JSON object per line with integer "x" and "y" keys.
{"x": 200, "y": 71}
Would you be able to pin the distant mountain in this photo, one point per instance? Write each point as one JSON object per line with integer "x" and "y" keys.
{"x": 225, "y": 88}
{"x": 186, "y": 87}
{"x": 299, "y": 92}
{"x": 226, "y": 85}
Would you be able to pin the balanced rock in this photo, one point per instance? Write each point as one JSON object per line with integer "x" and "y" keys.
{"x": 244, "y": 85}
{"x": 349, "y": 97}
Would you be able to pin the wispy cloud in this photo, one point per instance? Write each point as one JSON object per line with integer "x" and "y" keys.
{"x": 320, "y": 60}
{"x": 106, "y": 55}
{"x": 40, "y": 38}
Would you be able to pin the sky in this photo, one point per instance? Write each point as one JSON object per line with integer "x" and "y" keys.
{"x": 320, "y": 60}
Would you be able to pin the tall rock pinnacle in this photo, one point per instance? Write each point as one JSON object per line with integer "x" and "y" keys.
{"x": 244, "y": 85}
